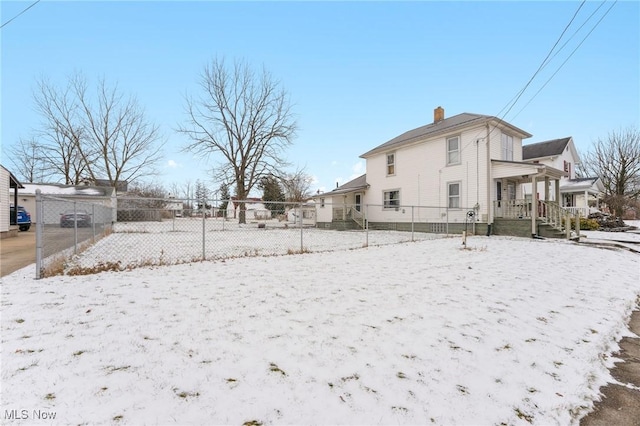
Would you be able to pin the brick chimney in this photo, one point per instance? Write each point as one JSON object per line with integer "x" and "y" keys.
{"x": 438, "y": 114}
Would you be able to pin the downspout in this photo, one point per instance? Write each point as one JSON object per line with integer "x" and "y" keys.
{"x": 489, "y": 188}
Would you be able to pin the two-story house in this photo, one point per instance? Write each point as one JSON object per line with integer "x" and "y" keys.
{"x": 466, "y": 168}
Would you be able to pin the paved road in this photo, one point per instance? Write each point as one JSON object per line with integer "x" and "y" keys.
{"x": 620, "y": 404}
{"x": 18, "y": 252}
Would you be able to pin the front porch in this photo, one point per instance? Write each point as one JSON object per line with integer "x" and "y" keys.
{"x": 530, "y": 192}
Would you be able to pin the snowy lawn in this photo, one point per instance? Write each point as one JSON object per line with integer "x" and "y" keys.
{"x": 508, "y": 331}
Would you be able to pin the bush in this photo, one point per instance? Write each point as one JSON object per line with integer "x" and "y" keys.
{"x": 588, "y": 224}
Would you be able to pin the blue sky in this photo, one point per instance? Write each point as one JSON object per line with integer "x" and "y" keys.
{"x": 358, "y": 73}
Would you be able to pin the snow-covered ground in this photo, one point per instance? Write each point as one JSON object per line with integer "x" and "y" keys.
{"x": 505, "y": 331}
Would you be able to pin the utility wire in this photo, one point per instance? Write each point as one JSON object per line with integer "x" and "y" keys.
{"x": 546, "y": 60}
{"x": 29, "y": 7}
{"x": 521, "y": 92}
{"x": 569, "y": 57}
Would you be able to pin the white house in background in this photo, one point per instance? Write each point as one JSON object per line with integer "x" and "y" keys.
{"x": 255, "y": 209}
{"x": 302, "y": 214}
{"x": 576, "y": 194}
{"x": 468, "y": 162}
{"x": 83, "y": 195}
{"x": 8, "y": 196}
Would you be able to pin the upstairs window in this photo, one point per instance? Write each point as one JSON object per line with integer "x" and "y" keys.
{"x": 391, "y": 199}
{"x": 391, "y": 164}
{"x": 453, "y": 150}
{"x": 321, "y": 202}
{"x": 507, "y": 147}
{"x": 567, "y": 167}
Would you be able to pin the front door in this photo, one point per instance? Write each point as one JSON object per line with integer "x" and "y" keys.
{"x": 498, "y": 211}
{"x": 358, "y": 202}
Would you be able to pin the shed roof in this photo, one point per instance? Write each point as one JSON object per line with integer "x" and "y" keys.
{"x": 353, "y": 185}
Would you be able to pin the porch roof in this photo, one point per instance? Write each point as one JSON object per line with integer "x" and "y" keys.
{"x": 524, "y": 171}
{"x": 592, "y": 185}
{"x": 354, "y": 185}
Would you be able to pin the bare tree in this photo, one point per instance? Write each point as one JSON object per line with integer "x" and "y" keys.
{"x": 28, "y": 162}
{"x": 126, "y": 145}
{"x": 616, "y": 161}
{"x": 95, "y": 137}
{"x": 60, "y": 131}
{"x": 297, "y": 185}
{"x": 244, "y": 117}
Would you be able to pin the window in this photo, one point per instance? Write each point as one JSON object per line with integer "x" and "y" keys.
{"x": 567, "y": 167}
{"x": 507, "y": 147}
{"x": 321, "y": 202}
{"x": 391, "y": 199}
{"x": 453, "y": 150}
{"x": 453, "y": 191}
{"x": 391, "y": 164}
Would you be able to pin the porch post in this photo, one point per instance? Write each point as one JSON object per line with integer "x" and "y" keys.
{"x": 557, "y": 189}
{"x": 534, "y": 205}
{"x": 546, "y": 188}
{"x": 586, "y": 203}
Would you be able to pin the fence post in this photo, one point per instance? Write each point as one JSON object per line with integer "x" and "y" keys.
{"x": 366, "y": 228}
{"x": 446, "y": 212}
{"x": 75, "y": 228}
{"x": 39, "y": 233}
{"x": 412, "y": 223}
{"x": 93, "y": 222}
{"x": 204, "y": 215}
{"x": 301, "y": 239}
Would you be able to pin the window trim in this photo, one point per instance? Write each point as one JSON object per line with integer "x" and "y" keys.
{"x": 449, "y": 152}
{"x": 390, "y": 206}
{"x": 393, "y": 164}
{"x": 458, "y": 196}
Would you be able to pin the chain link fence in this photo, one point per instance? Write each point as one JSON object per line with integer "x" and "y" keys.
{"x": 64, "y": 228}
{"x": 147, "y": 232}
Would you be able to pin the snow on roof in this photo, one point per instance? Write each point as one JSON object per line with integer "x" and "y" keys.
{"x": 56, "y": 189}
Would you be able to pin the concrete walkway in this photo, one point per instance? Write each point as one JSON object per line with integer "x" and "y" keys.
{"x": 620, "y": 404}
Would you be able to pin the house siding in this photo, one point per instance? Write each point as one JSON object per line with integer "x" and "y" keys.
{"x": 5, "y": 200}
{"x": 422, "y": 175}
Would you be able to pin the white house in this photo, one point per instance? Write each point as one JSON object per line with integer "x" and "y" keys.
{"x": 255, "y": 209}
{"x": 453, "y": 169}
{"x": 8, "y": 196}
{"x": 576, "y": 194}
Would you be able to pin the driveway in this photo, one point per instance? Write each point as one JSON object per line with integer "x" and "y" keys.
{"x": 18, "y": 252}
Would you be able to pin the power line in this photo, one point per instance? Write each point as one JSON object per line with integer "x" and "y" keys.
{"x": 521, "y": 92}
{"x": 568, "y": 57}
{"x": 29, "y": 7}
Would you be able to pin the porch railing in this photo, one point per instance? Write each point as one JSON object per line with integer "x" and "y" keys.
{"x": 548, "y": 211}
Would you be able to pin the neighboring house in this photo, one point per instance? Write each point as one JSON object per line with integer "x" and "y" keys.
{"x": 255, "y": 209}
{"x": 468, "y": 165}
{"x": 83, "y": 195}
{"x": 8, "y": 196}
{"x": 302, "y": 214}
{"x": 576, "y": 194}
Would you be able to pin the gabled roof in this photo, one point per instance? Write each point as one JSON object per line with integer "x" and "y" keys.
{"x": 591, "y": 184}
{"x": 353, "y": 185}
{"x": 448, "y": 125}
{"x": 545, "y": 149}
{"x": 13, "y": 181}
